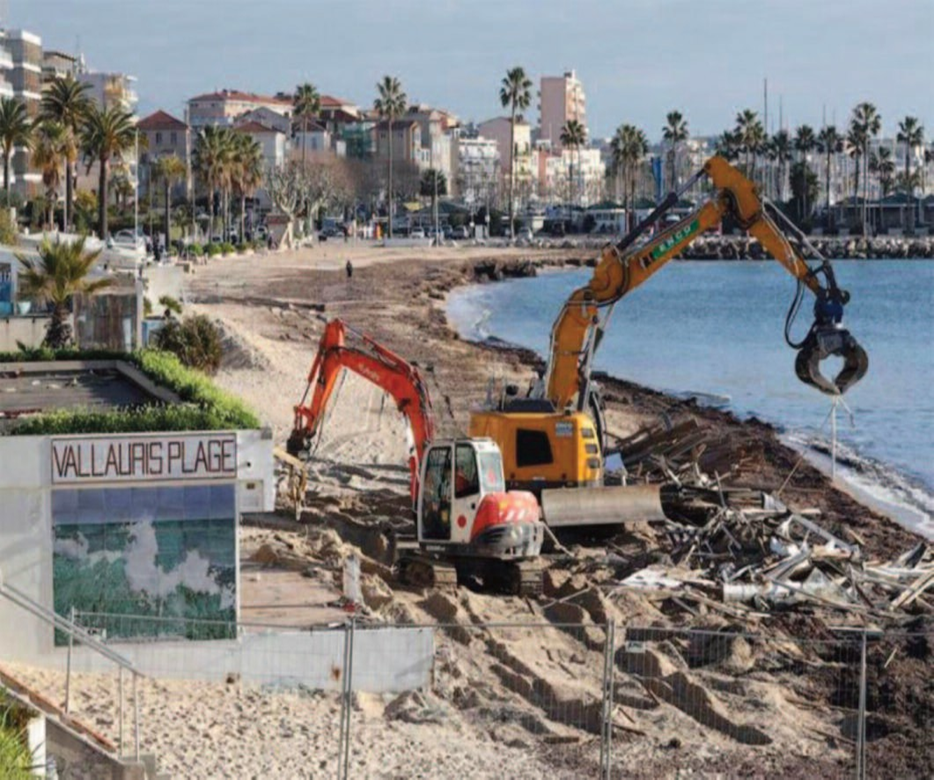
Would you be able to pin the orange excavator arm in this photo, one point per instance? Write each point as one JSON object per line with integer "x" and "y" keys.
{"x": 578, "y": 328}
{"x": 372, "y": 361}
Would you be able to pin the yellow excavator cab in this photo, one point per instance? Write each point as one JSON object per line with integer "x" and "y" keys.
{"x": 543, "y": 449}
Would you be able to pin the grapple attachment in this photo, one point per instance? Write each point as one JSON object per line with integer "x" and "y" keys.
{"x": 823, "y": 342}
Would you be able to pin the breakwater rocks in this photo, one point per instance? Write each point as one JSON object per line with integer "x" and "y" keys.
{"x": 883, "y": 247}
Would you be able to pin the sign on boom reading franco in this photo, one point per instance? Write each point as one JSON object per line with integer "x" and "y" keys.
{"x": 159, "y": 458}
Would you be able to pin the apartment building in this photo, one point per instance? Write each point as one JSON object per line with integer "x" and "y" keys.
{"x": 406, "y": 140}
{"x": 478, "y": 168}
{"x": 165, "y": 135}
{"x": 111, "y": 89}
{"x": 58, "y": 64}
{"x": 24, "y": 76}
{"x": 560, "y": 99}
{"x": 222, "y": 108}
{"x": 499, "y": 130}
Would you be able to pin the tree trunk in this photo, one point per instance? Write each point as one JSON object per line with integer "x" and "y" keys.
{"x": 69, "y": 196}
{"x": 389, "y": 190}
{"x": 210, "y": 234}
{"x": 168, "y": 217}
{"x": 243, "y": 217}
{"x": 6, "y": 176}
{"x": 58, "y": 333}
{"x": 512, "y": 167}
{"x": 102, "y": 199}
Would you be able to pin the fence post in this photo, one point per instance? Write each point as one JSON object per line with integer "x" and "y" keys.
{"x": 609, "y": 663}
{"x": 861, "y": 722}
{"x": 135, "y": 717}
{"x": 343, "y": 748}
{"x": 120, "y": 710}
{"x": 71, "y": 642}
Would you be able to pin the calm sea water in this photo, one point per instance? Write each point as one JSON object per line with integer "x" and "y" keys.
{"x": 716, "y": 327}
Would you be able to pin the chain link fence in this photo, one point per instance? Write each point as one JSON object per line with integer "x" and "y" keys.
{"x": 519, "y": 700}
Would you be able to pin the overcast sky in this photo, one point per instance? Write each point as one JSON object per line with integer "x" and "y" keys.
{"x": 638, "y": 59}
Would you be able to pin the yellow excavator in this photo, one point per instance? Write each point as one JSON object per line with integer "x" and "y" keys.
{"x": 555, "y": 436}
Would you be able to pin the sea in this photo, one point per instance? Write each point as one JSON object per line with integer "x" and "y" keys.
{"x": 716, "y": 328}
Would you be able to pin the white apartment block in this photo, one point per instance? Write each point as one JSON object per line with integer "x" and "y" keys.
{"x": 478, "y": 165}
{"x": 111, "y": 89}
{"x": 560, "y": 99}
{"x": 499, "y": 130}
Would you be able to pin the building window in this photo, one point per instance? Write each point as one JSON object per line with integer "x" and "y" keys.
{"x": 533, "y": 448}
{"x": 174, "y": 138}
{"x": 158, "y": 138}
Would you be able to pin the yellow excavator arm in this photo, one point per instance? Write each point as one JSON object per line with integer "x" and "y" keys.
{"x": 577, "y": 330}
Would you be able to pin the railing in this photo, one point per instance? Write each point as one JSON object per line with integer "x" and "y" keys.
{"x": 75, "y": 632}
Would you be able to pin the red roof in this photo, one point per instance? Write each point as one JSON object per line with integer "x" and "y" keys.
{"x": 161, "y": 120}
{"x": 256, "y": 127}
{"x": 329, "y": 101}
{"x": 245, "y": 97}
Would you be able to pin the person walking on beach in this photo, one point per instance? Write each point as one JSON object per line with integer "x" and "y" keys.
{"x": 349, "y": 268}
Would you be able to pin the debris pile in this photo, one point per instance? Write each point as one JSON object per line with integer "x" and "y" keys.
{"x": 743, "y": 552}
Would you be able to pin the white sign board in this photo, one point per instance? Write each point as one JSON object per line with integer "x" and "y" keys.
{"x": 144, "y": 458}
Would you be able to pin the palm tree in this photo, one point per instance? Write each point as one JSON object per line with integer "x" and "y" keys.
{"x": 779, "y": 149}
{"x": 210, "y": 161}
{"x": 59, "y": 273}
{"x": 829, "y": 143}
{"x": 752, "y": 138}
{"x": 675, "y": 132}
{"x": 574, "y": 136}
{"x": 854, "y": 148}
{"x": 15, "y": 130}
{"x": 867, "y": 121}
{"x": 65, "y": 101}
{"x": 106, "y": 133}
{"x": 247, "y": 172}
{"x": 633, "y": 147}
{"x": 169, "y": 168}
{"x": 729, "y": 145}
{"x": 50, "y": 150}
{"x": 805, "y": 141}
{"x": 390, "y": 105}
{"x": 882, "y": 166}
{"x": 515, "y": 93}
{"x": 910, "y": 133}
{"x": 306, "y": 104}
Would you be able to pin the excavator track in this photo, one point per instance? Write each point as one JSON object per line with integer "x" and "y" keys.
{"x": 423, "y": 571}
{"x": 516, "y": 578}
{"x": 528, "y": 577}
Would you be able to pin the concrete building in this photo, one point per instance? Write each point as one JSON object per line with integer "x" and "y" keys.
{"x": 560, "y": 99}
{"x": 111, "y": 89}
{"x": 478, "y": 166}
{"x": 406, "y": 141}
{"x": 165, "y": 135}
{"x": 24, "y": 76}
{"x": 499, "y": 130}
{"x": 224, "y": 107}
{"x": 57, "y": 64}
{"x": 273, "y": 142}
{"x": 438, "y": 140}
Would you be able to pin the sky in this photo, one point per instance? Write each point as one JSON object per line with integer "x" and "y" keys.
{"x": 638, "y": 59}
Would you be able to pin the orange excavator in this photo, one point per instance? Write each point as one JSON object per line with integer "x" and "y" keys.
{"x": 467, "y": 523}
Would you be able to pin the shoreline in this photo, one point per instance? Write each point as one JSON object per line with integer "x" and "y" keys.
{"x": 909, "y": 518}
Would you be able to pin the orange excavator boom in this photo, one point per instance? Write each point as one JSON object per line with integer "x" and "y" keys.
{"x": 394, "y": 375}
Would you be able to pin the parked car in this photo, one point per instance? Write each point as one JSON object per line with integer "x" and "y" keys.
{"x": 460, "y": 233}
{"x": 524, "y": 233}
{"x": 417, "y": 233}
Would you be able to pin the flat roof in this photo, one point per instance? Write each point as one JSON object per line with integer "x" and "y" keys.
{"x": 32, "y": 388}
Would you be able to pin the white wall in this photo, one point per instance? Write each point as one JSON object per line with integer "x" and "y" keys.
{"x": 26, "y": 527}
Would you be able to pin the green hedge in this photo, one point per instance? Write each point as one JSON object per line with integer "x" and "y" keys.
{"x": 205, "y": 407}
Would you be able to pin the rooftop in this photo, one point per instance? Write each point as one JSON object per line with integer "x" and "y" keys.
{"x": 256, "y": 127}
{"x": 97, "y": 385}
{"x": 161, "y": 120}
{"x": 245, "y": 97}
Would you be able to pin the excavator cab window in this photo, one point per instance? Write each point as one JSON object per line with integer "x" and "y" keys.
{"x": 436, "y": 501}
{"x": 533, "y": 448}
{"x": 466, "y": 478}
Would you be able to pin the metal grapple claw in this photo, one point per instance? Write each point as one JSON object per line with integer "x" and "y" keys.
{"x": 826, "y": 341}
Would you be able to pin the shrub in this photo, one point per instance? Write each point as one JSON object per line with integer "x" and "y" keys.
{"x": 170, "y": 304}
{"x": 258, "y": 244}
{"x": 205, "y": 406}
{"x": 15, "y": 759}
{"x": 242, "y": 247}
{"x": 212, "y": 250}
{"x": 227, "y": 248}
{"x": 147, "y": 307}
{"x": 196, "y": 249}
{"x": 195, "y": 340}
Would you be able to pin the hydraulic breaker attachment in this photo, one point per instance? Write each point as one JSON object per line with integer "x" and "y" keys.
{"x": 825, "y": 341}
